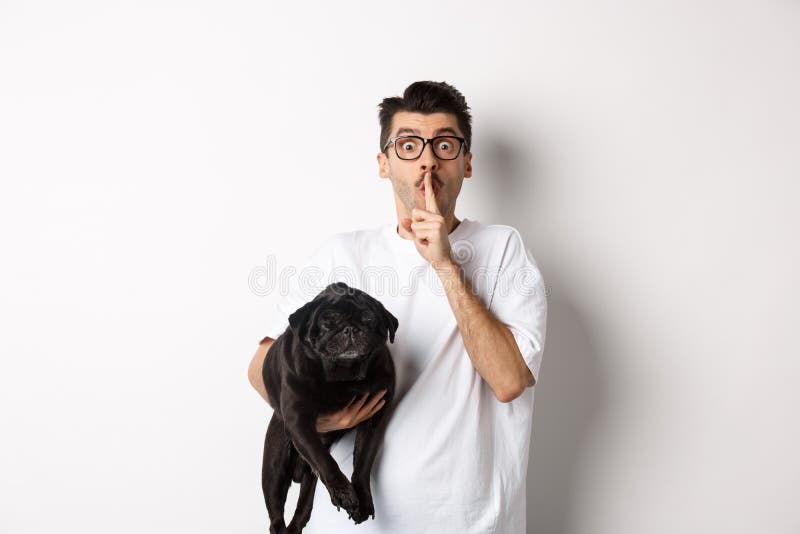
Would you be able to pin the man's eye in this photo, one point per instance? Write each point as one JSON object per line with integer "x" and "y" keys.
{"x": 445, "y": 146}
{"x": 407, "y": 146}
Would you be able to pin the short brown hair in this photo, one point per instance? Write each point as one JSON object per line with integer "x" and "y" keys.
{"x": 427, "y": 97}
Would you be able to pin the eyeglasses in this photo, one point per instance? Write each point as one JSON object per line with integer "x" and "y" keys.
{"x": 411, "y": 146}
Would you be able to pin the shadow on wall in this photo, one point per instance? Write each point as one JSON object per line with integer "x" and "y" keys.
{"x": 570, "y": 397}
{"x": 571, "y": 393}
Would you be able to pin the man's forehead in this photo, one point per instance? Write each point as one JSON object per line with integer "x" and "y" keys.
{"x": 405, "y": 122}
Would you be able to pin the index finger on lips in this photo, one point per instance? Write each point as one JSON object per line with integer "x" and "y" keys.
{"x": 430, "y": 198}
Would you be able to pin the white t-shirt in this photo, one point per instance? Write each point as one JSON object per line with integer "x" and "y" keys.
{"x": 454, "y": 459}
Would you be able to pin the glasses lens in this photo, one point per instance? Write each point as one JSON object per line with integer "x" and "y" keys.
{"x": 408, "y": 147}
{"x": 446, "y": 147}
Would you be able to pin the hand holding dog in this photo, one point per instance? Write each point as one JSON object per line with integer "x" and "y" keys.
{"x": 352, "y": 414}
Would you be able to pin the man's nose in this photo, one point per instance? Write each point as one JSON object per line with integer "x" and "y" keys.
{"x": 427, "y": 160}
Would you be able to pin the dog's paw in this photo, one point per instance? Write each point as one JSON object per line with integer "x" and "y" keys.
{"x": 344, "y": 496}
{"x": 365, "y": 506}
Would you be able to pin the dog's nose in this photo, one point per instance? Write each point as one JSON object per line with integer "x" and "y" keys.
{"x": 349, "y": 331}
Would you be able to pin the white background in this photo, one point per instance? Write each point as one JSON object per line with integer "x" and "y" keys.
{"x": 154, "y": 154}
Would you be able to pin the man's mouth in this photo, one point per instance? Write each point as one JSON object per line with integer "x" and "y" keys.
{"x": 434, "y": 186}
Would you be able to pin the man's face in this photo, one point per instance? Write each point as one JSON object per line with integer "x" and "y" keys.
{"x": 407, "y": 175}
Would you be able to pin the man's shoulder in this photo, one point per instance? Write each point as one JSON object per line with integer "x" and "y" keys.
{"x": 497, "y": 230}
{"x": 494, "y": 236}
{"x": 499, "y": 246}
{"x": 346, "y": 239}
{"x": 347, "y": 247}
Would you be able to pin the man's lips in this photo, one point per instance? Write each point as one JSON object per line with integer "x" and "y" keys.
{"x": 435, "y": 186}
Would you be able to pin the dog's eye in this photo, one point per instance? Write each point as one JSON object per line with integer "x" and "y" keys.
{"x": 329, "y": 319}
{"x": 368, "y": 318}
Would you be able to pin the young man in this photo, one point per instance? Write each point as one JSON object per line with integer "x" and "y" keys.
{"x": 472, "y": 319}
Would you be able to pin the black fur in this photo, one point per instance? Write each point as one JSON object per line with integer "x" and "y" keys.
{"x": 316, "y": 366}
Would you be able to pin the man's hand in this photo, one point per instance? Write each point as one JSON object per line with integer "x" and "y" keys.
{"x": 429, "y": 229}
{"x": 347, "y": 417}
{"x": 352, "y": 414}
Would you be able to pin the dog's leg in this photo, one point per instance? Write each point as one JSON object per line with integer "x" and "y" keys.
{"x": 369, "y": 436}
{"x": 276, "y": 473}
{"x": 305, "y": 502}
{"x": 303, "y": 432}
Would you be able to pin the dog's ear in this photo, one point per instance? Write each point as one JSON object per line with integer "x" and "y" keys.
{"x": 390, "y": 322}
{"x": 300, "y": 320}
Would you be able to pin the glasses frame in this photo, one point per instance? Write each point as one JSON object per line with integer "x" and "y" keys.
{"x": 393, "y": 140}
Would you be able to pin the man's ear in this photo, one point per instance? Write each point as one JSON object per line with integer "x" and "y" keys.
{"x": 468, "y": 165}
{"x": 383, "y": 165}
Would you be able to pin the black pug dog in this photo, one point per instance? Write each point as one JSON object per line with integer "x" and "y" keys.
{"x": 333, "y": 349}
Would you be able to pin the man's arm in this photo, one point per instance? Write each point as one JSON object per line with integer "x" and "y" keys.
{"x": 256, "y": 364}
{"x": 490, "y": 344}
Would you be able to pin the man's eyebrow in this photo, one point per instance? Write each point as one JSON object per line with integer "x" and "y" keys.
{"x": 440, "y": 131}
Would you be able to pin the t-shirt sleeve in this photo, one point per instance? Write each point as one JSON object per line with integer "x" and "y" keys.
{"x": 519, "y": 301}
{"x": 300, "y": 287}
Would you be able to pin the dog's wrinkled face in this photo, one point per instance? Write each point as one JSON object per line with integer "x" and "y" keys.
{"x": 343, "y": 326}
